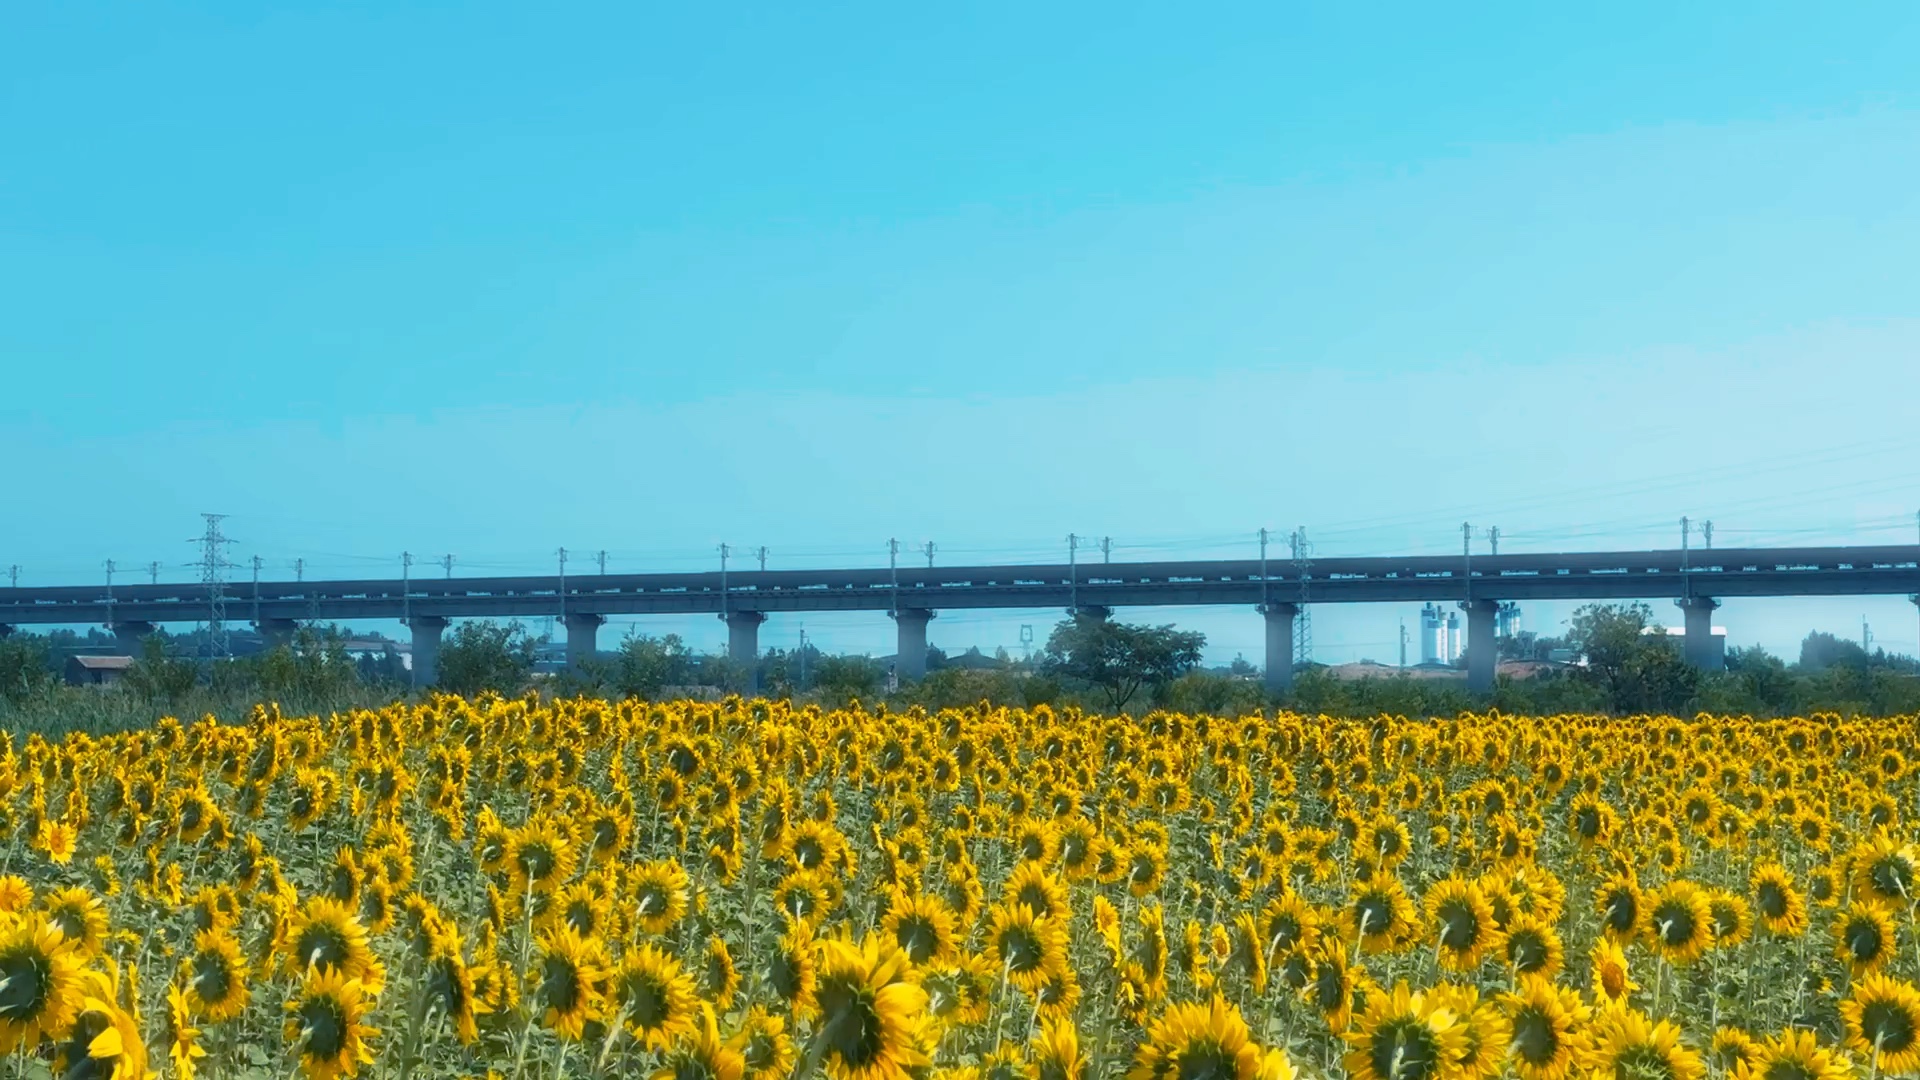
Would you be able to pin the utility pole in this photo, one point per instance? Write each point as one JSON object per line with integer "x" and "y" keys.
{"x": 1263, "y": 570}
{"x": 601, "y": 558}
{"x": 802, "y": 684}
{"x": 446, "y": 563}
{"x": 256, "y": 591}
{"x": 1707, "y": 529}
{"x": 13, "y": 576}
{"x": 724, "y": 552}
{"x": 893, "y": 570}
{"x": 1403, "y": 641}
{"x": 1106, "y": 549}
{"x": 1073, "y": 575}
{"x": 213, "y": 574}
{"x": 1866, "y": 637}
{"x": 1686, "y": 544}
{"x": 1303, "y": 629}
{"x": 1493, "y": 540}
{"x": 406, "y": 588}
{"x": 109, "y": 594}
{"x": 928, "y": 552}
{"x": 563, "y": 585}
{"x": 153, "y": 572}
{"x": 762, "y": 553}
{"x": 299, "y": 569}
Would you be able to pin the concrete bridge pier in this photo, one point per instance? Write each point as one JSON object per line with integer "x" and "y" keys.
{"x": 426, "y": 648}
{"x": 1483, "y": 650}
{"x": 583, "y": 630}
{"x": 1279, "y": 670}
{"x": 743, "y": 643}
{"x": 910, "y": 657}
{"x": 127, "y": 635}
{"x": 1702, "y": 651}
{"x": 278, "y": 632}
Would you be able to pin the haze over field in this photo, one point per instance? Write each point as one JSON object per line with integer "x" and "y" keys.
{"x": 648, "y": 280}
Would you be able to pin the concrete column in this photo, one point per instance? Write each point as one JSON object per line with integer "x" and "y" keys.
{"x": 743, "y": 643}
{"x": 583, "y": 631}
{"x": 426, "y": 648}
{"x": 1703, "y": 650}
{"x": 1483, "y": 650}
{"x": 278, "y": 632}
{"x": 127, "y": 635}
{"x": 910, "y": 658}
{"x": 1279, "y": 672}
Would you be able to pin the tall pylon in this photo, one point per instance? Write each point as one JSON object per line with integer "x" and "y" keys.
{"x": 1303, "y": 623}
{"x": 214, "y": 565}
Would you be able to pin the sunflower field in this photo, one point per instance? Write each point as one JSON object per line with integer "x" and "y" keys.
{"x": 748, "y": 890}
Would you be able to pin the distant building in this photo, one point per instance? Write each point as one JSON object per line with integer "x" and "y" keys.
{"x": 96, "y": 670}
{"x": 1678, "y": 635}
{"x": 1435, "y": 646}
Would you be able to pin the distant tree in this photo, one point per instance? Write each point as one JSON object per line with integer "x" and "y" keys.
{"x": 646, "y": 665}
{"x": 843, "y": 678}
{"x": 1241, "y": 668}
{"x": 25, "y": 667}
{"x": 160, "y": 676}
{"x": 1630, "y": 658}
{"x": 1821, "y": 650}
{"x": 1119, "y": 658}
{"x": 482, "y": 655}
{"x": 314, "y": 666}
{"x": 936, "y": 658}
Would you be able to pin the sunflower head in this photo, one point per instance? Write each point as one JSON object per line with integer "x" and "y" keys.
{"x": 1405, "y": 1036}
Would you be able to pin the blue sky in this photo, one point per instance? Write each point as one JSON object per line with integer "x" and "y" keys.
{"x": 492, "y": 280}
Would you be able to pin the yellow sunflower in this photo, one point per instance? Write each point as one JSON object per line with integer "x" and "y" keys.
{"x": 1883, "y": 1023}
{"x": 872, "y": 1012}
{"x": 1549, "y": 1029}
{"x": 1679, "y": 922}
{"x": 1864, "y": 939}
{"x": 1613, "y": 982}
{"x": 215, "y": 976}
{"x": 1405, "y": 1036}
{"x": 1781, "y": 909}
{"x": 1629, "y": 1046}
{"x": 656, "y": 997}
{"x": 1794, "y": 1054}
{"x": 1211, "y": 1040}
{"x": 566, "y": 981}
{"x": 324, "y": 1024}
{"x": 1463, "y": 923}
{"x": 41, "y": 975}
{"x": 1028, "y": 948}
{"x": 764, "y": 1046}
{"x": 922, "y": 926}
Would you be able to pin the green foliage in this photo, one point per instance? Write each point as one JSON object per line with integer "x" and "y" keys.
{"x": 955, "y": 688}
{"x": 1119, "y": 659}
{"x": 482, "y": 655}
{"x": 160, "y": 677}
{"x": 647, "y": 665}
{"x": 842, "y": 679}
{"x": 1214, "y": 694}
{"x": 25, "y": 668}
{"x": 1631, "y": 659}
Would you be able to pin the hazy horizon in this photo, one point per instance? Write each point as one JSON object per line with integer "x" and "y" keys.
{"x": 653, "y": 280}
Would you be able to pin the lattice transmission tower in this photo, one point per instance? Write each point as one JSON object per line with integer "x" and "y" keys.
{"x": 1303, "y": 623}
{"x": 214, "y": 565}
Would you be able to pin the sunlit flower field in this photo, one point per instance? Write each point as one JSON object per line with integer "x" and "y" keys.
{"x": 751, "y": 891}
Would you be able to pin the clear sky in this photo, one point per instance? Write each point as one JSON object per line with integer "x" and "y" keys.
{"x": 496, "y": 278}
